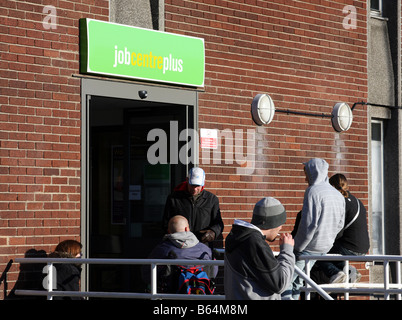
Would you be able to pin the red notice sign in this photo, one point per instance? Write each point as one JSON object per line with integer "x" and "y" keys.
{"x": 209, "y": 138}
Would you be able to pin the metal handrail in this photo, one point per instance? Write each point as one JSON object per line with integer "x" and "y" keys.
{"x": 346, "y": 287}
{"x": 309, "y": 281}
{"x": 153, "y": 263}
{"x": 323, "y": 290}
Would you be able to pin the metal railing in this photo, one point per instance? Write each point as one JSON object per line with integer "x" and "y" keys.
{"x": 386, "y": 288}
{"x": 50, "y": 293}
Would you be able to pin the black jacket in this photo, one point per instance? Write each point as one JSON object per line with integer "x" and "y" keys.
{"x": 68, "y": 279}
{"x": 68, "y": 276}
{"x": 202, "y": 213}
{"x": 251, "y": 269}
{"x": 355, "y": 237}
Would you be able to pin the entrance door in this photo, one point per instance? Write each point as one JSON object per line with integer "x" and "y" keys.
{"x": 127, "y": 192}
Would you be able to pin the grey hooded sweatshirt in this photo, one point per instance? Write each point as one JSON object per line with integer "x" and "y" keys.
{"x": 323, "y": 213}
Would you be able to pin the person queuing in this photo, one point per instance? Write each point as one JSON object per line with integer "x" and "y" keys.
{"x": 68, "y": 275}
{"x": 353, "y": 238}
{"x": 178, "y": 243}
{"x": 251, "y": 269}
{"x": 199, "y": 206}
{"x": 321, "y": 219}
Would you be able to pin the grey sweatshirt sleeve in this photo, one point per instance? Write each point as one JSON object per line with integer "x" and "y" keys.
{"x": 286, "y": 260}
{"x": 280, "y": 274}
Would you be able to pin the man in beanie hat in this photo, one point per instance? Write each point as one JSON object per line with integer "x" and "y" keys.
{"x": 199, "y": 206}
{"x": 251, "y": 269}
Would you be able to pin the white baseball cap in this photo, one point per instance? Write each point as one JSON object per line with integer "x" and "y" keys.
{"x": 196, "y": 176}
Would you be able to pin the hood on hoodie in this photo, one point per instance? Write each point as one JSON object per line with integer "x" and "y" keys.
{"x": 241, "y": 230}
{"x": 182, "y": 240}
{"x": 316, "y": 170}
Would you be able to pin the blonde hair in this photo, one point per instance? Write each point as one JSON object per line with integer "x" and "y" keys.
{"x": 340, "y": 183}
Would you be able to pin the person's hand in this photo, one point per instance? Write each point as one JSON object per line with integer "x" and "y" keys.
{"x": 286, "y": 238}
{"x": 208, "y": 236}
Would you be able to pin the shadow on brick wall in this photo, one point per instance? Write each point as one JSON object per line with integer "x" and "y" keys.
{"x": 29, "y": 278}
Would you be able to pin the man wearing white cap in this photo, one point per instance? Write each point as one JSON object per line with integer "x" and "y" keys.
{"x": 199, "y": 206}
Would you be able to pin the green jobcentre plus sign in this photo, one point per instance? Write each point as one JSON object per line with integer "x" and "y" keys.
{"x": 136, "y": 53}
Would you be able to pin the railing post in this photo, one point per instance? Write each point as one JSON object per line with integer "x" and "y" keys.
{"x": 307, "y": 264}
{"x": 50, "y": 283}
{"x": 346, "y": 295}
{"x": 153, "y": 280}
{"x": 398, "y": 278}
{"x": 386, "y": 279}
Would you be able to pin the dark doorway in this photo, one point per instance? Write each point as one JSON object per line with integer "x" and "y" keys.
{"x": 126, "y": 192}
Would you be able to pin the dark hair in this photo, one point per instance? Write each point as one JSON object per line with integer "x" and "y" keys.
{"x": 340, "y": 183}
{"x": 69, "y": 247}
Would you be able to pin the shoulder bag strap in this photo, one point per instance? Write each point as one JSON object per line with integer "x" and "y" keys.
{"x": 355, "y": 217}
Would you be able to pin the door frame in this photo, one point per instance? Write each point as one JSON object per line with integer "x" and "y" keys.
{"x": 123, "y": 90}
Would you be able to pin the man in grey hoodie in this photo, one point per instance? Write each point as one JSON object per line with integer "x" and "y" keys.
{"x": 322, "y": 217}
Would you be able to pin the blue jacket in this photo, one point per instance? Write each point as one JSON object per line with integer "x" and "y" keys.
{"x": 181, "y": 245}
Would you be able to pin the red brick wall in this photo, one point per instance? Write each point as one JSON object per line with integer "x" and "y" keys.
{"x": 299, "y": 53}
{"x": 40, "y": 125}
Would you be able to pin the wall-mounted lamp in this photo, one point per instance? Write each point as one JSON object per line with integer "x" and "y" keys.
{"x": 342, "y": 117}
{"x": 262, "y": 109}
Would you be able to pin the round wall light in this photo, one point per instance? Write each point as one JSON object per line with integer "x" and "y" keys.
{"x": 262, "y": 109}
{"x": 342, "y": 117}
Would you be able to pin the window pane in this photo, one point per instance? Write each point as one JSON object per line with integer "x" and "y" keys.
{"x": 376, "y": 131}
{"x": 375, "y": 4}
